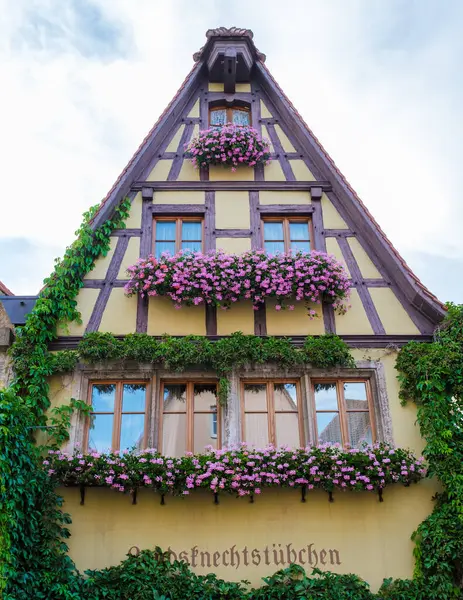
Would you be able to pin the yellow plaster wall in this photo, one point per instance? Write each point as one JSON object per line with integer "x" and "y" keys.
{"x": 130, "y": 257}
{"x": 331, "y": 218}
{"x": 216, "y": 87}
{"x": 85, "y": 302}
{"x": 393, "y": 315}
{"x": 267, "y": 137}
{"x": 264, "y": 111}
{"x": 284, "y": 140}
{"x": 405, "y": 431}
{"x": 274, "y": 172}
{"x": 195, "y": 132}
{"x": 160, "y": 171}
{"x": 101, "y": 265}
{"x": 366, "y": 266}
{"x": 188, "y": 172}
{"x": 284, "y": 197}
{"x": 219, "y": 173}
{"x": 232, "y": 210}
{"x": 174, "y": 142}
{"x": 120, "y": 314}
{"x": 134, "y": 219}
{"x": 355, "y": 321}
{"x": 240, "y": 317}
{"x": 233, "y": 245}
{"x": 163, "y": 317}
{"x": 301, "y": 170}
{"x": 243, "y": 87}
{"x": 372, "y": 539}
{"x": 194, "y": 112}
{"x": 293, "y": 322}
{"x": 179, "y": 197}
{"x": 332, "y": 247}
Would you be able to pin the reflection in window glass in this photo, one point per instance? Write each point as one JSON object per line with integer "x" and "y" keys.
{"x": 103, "y": 397}
{"x": 175, "y": 397}
{"x": 255, "y": 397}
{"x": 326, "y": 396}
{"x": 285, "y": 397}
{"x": 355, "y": 395}
{"x": 174, "y": 434}
{"x": 132, "y": 431}
{"x": 329, "y": 428}
{"x": 256, "y": 426}
{"x": 100, "y": 432}
{"x": 133, "y": 397}
{"x": 359, "y": 427}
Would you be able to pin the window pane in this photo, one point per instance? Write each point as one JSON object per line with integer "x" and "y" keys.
{"x": 256, "y": 430}
{"x": 174, "y": 435}
{"x": 300, "y": 246}
{"x": 103, "y": 396}
{"x": 132, "y": 432}
{"x": 285, "y": 396}
{"x": 273, "y": 230}
{"x": 240, "y": 117}
{"x": 162, "y": 247}
{"x": 134, "y": 397}
{"x": 274, "y": 247}
{"x": 359, "y": 428}
{"x": 175, "y": 397}
{"x": 165, "y": 230}
{"x": 218, "y": 117}
{"x": 287, "y": 429}
{"x": 255, "y": 397}
{"x": 329, "y": 428}
{"x": 325, "y": 396}
{"x": 191, "y": 230}
{"x": 100, "y": 432}
{"x": 355, "y": 395}
{"x": 299, "y": 231}
{"x": 204, "y": 432}
{"x": 205, "y": 397}
{"x": 192, "y": 246}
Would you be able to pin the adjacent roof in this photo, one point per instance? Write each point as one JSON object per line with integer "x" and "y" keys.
{"x": 4, "y": 291}
{"x": 18, "y": 307}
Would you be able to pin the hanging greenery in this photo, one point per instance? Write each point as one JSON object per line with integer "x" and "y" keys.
{"x": 221, "y": 356}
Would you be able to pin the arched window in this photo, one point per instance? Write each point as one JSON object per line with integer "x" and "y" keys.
{"x": 238, "y": 115}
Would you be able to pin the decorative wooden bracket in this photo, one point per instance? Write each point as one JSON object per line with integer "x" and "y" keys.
{"x": 229, "y": 70}
{"x": 82, "y": 495}
{"x": 316, "y": 193}
{"x": 330, "y": 497}
{"x": 303, "y": 493}
{"x": 216, "y": 498}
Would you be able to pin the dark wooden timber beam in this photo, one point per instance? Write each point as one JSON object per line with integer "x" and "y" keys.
{"x": 287, "y": 209}
{"x": 175, "y": 209}
{"x": 232, "y": 233}
{"x": 277, "y": 186}
{"x": 354, "y": 341}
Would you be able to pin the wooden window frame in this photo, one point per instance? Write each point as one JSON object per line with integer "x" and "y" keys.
{"x": 179, "y": 220}
{"x": 286, "y": 231}
{"x": 342, "y": 409}
{"x": 270, "y": 397}
{"x": 118, "y": 412}
{"x": 229, "y": 112}
{"x": 189, "y": 411}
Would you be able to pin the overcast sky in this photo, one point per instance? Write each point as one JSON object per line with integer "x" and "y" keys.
{"x": 378, "y": 81}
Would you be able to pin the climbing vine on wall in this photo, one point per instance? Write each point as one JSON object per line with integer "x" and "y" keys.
{"x": 33, "y": 553}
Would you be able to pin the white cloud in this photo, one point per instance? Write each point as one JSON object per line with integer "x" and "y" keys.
{"x": 376, "y": 83}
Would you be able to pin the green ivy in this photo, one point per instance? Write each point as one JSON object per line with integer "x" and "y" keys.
{"x": 222, "y": 356}
{"x": 431, "y": 375}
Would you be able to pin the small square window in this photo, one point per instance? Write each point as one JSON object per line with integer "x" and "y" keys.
{"x": 173, "y": 234}
{"x": 287, "y": 234}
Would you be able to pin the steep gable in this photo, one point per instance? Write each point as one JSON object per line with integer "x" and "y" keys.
{"x": 388, "y": 301}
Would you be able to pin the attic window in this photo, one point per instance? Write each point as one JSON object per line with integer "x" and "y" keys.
{"x": 220, "y": 115}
